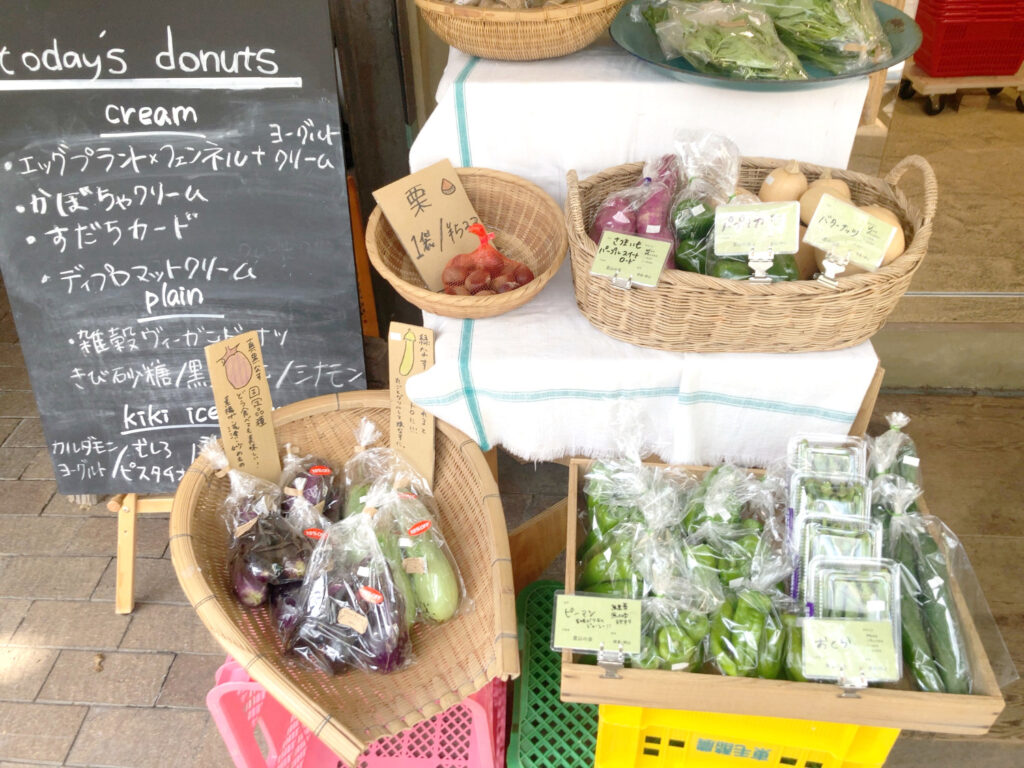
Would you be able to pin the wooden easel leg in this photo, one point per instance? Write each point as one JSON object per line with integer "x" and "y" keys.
{"x": 124, "y": 597}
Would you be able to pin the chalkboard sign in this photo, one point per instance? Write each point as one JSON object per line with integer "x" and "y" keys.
{"x": 170, "y": 174}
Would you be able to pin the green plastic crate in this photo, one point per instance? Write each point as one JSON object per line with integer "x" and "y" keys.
{"x": 546, "y": 732}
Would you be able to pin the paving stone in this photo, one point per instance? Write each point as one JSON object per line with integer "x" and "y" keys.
{"x": 155, "y": 582}
{"x": 50, "y": 577}
{"x": 167, "y": 628}
{"x": 11, "y": 614}
{"x": 41, "y": 467}
{"x": 14, "y": 377}
{"x": 14, "y": 462}
{"x": 86, "y": 677}
{"x": 22, "y": 737}
{"x": 63, "y": 505}
{"x": 18, "y": 403}
{"x": 910, "y": 752}
{"x": 23, "y": 671}
{"x": 28, "y": 434}
{"x": 212, "y": 752}
{"x": 24, "y": 497}
{"x": 514, "y": 506}
{"x": 34, "y": 535}
{"x": 190, "y": 679}
{"x": 138, "y": 738}
{"x": 6, "y": 427}
{"x": 98, "y": 536}
{"x": 71, "y": 624}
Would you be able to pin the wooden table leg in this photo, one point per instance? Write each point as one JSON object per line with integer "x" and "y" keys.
{"x": 124, "y": 596}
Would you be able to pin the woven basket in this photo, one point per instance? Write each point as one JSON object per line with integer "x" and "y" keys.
{"x": 452, "y": 661}
{"x": 688, "y": 312}
{"x": 528, "y": 226}
{"x": 520, "y": 35}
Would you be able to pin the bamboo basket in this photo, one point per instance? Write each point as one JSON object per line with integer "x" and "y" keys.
{"x": 528, "y": 225}
{"x": 688, "y": 312}
{"x": 452, "y": 661}
{"x": 520, "y": 35}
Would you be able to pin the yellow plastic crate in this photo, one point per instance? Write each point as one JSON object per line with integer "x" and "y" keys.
{"x": 635, "y": 737}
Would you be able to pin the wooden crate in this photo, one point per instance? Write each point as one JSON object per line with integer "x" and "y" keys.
{"x": 888, "y": 707}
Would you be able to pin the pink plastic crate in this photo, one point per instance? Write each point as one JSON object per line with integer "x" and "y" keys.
{"x": 468, "y": 735}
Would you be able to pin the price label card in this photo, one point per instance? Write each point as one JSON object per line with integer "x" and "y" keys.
{"x": 835, "y": 649}
{"x": 410, "y": 351}
{"x": 592, "y": 623}
{"x": 842, "y": 227}
{"x": 242, "y": 394}
{"x": 631, "y": 257}
{"x": 431, "y": 216}
{"x": 758, "y": 227}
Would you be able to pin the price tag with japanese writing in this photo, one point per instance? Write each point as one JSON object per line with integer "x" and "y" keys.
{"x": 594, "y": 623}
{"x": 842, "y": 227}
{"x": 410, "y": 351}
{"x": 849, "y": 649}
{"x": 431, "y": 216}
{"x": 632, "y": 258}
{"x": 757, "y": 227}
{"x": 242, "y": 394}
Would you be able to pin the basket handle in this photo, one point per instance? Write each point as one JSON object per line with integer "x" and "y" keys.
{"x": 931, "y": 185}
{"x": 573, "y": 206}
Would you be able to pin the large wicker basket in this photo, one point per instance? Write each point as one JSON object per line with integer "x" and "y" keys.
{"x": 528, "y": 225}
{"x": 688, "y": 312}
{"x": 453, "y": 660}
{"x": 520, "y": 35}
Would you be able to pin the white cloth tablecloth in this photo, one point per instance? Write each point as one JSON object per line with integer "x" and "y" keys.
{"x": 544, "y": 383}
{"x": 603, "y": 107}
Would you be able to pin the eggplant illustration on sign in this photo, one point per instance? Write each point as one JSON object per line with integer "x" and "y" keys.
{"x": 236, "y": 367}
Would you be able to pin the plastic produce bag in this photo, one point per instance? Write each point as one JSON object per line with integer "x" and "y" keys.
{"x": 891, "y": 496}
{"x": 375, "y": 464}
{"x": 729, "y": 39}
{"x": 642, "y": 209}
{"x": 893, "y": 452}
{"x": 423, "y": 557}
{"x": 747, "y": 637}
{"x": 720, "y": 498}
{"x": 672, "y": 636}
{"x": 484, "y": 270}
{"x": 311, "y": 479}
{"x": 933, "y": 637}
{"x": 837, "y": 35}
{"x": 352, "y": 614}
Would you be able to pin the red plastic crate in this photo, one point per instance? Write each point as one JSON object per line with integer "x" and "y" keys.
{"x": 469, "y": 735}
{"x": 945, "y": 10}
{"x": 969, "y": 48}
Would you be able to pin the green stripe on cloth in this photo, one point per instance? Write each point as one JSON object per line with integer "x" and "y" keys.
{"x": 465, "y": 157}
{"x": 753, "y": 403}
{"x": 465, "y": 350}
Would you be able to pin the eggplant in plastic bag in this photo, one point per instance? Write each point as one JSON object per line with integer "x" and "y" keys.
{"x": 310, "y": 479}
{"x": 352, "y": 614}
{"x": 436, "y": 581}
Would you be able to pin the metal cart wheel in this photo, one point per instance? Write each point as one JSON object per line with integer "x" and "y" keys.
{"x": 934, "y": 104}
{"x": 1020, "y": 103}
{"x": 994, "y": 91}
{"x": 906, "y": 90}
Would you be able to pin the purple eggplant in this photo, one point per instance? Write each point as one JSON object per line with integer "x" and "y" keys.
{"x": 309, "y": 479}
{"x": 250, "y": 589}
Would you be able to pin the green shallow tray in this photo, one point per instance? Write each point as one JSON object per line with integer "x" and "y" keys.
{"x": 546, "y": 732}
{"x": 637, "y": 38}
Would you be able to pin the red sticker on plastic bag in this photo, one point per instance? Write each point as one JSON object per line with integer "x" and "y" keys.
{"x": 320, "y": 470}
{"x": 314, "y": 533}
{"x": 407, "y": 495}
{"x": 421, "y": 527}
{"x": 371, "y": 595}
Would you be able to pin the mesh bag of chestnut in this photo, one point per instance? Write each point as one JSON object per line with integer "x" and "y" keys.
{"x": 484, "y": 271}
